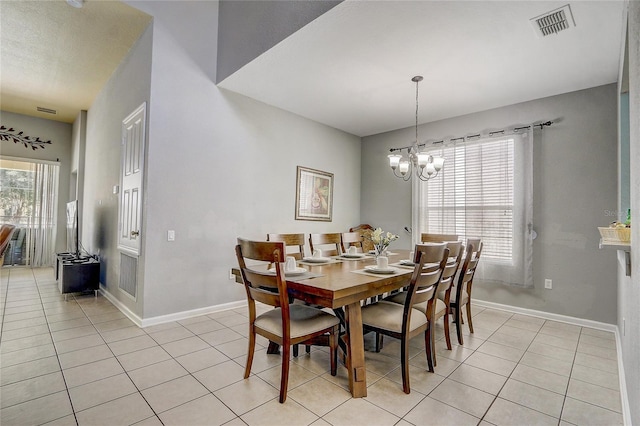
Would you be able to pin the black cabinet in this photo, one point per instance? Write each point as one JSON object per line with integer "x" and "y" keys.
{"x": 76, "y": 275}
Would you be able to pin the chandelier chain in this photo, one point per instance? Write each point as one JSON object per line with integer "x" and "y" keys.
{"x": 417, "y": 81}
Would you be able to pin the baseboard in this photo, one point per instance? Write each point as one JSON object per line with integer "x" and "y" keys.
{"x": 192, "y": 313}
{"x": 549, "y": 316}
{"x": 624, "y": 398}
{"x": 121, "y": 306}
{"x": 161, "y": 319}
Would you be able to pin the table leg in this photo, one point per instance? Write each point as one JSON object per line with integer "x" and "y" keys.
{"x": 273, "y": 348}
{"x": 355, "y": 342}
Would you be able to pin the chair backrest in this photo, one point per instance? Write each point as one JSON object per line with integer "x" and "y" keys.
{"x": 453, "y": 263}
{"x": 465, "y": 280}
{"x": 349, "y": 239}
{"x": 317, "y": 240}
{"x": 437, "y": 238}
{"x": 261, "y": 285}
{"x": 426, "y": 276}
{"x": 290, "y": 240}
{"x": 475, "y": 243}
{"x": 6, "y": 232}
{"x": 365, "y": 230}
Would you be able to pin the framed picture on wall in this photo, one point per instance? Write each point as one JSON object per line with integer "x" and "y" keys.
{"x": 314, "y": 194}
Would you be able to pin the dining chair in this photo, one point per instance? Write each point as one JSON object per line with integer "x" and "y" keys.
{"x": 446, "y": 285}
{"x": 351, "y": 239}
{"x": 333, "y": 240}
{"x": 290, "y": 240}
{"x": 6, "y": 231}
{"x": 462, "y": 295}
{"x": 440, "y": 307}
{"x": 403, "y": 321}
{"x": 365, "y": 230}
{"x": 437, "y": 238}
{"x": 288, "y": 324}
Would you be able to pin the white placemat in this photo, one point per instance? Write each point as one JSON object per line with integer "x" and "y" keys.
{"x": 298, "y": 277}
{"x": 400, "y": 265}
{"x": 328, "y": 262}
{"x": 398, "y": 271}
{"x": 365, "y": 257}
{"x": 389, "y": 253}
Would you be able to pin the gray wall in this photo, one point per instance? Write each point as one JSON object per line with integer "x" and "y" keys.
{"x": 575, "y": 181}
{"x": 60, "y": 149}
{"x": 78, "y": 146}
{"x": 219, "y": 166}
{"x": 250, "y": 28}
{"x": 629, "y": 287}
{"x": 128, "y": 87}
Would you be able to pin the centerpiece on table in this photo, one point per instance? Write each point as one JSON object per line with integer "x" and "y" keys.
{"x": 381, "y": 241}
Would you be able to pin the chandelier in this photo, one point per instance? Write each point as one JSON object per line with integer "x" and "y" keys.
{"x": 425, "y": 165}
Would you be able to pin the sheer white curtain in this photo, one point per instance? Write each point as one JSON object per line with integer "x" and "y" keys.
{"x": 485, "y": 190}
{"x": 42, "y": 234}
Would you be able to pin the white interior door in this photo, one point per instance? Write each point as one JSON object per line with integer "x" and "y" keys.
{"x": 132, "y": 168}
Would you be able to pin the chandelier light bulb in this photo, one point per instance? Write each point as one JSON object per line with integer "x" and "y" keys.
{"x": 404, "y": 167}
{"x": 426, "y": 166}
{"x": 423, "y": 159}
{"x": 394, "y": 160}
{"x": 438, "y": 162}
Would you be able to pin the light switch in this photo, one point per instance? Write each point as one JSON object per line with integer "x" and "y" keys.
{"x": 171, "y": 235}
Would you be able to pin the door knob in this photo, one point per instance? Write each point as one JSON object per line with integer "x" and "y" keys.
{"x": 135, "y": 233}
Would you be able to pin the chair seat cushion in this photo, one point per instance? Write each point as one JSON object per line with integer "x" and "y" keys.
{"x": 304, "y": 320}
{"x": 388, "y": 316}
{"x": 465, "y": 296}
{"x": 398, "y": 298}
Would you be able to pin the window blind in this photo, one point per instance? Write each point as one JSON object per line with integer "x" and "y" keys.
{"x": 473, "y": 196}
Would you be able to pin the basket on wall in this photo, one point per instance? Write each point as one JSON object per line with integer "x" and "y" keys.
{"x": 615, "y": 235}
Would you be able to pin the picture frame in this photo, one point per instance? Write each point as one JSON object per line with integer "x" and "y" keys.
{"x": 314, "y": 194}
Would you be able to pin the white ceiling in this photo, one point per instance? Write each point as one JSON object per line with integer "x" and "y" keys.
{"x": 58, "y": 57}
{"x": 352, "y": 67}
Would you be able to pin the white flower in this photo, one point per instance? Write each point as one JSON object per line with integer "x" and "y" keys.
{"x": 381, "y": 240}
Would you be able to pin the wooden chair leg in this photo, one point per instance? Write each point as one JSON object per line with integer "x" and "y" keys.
{"x": 427, "y": 345}
{"x": 252, "y": 348}
{"x": 458, "y": 321}
{"x": 404, "y": 356}
{"x": 284, "y": 374}
{"x": 447, "y": 336}
{"x": 378, "y": 338}
{"x": 295, "y": 351}
{"x": 433, "y": 345}
{"x": 469, "y": 316}
{"x": 333, "y": 349}
{"x": 308, "y": 349}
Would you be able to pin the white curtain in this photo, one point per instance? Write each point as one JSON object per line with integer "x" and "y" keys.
{"x": 42, "y": 235}
{"x": 485, "y": 190}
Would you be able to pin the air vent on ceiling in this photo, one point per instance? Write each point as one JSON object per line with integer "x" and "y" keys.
{"x": 553, "y": 22}
{"x": 47, "y": 110}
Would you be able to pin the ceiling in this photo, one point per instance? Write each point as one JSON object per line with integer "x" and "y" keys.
{"x": 58, "y": 57}
{"x": 350, "y": 69}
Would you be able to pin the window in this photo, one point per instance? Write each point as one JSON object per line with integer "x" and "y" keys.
{"x": 485, "y": 191}
{"x": 28, "y": 200}
{"x": 473, "y": 196}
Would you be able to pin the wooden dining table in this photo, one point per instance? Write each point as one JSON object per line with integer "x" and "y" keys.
{"x": 338, "y": 287}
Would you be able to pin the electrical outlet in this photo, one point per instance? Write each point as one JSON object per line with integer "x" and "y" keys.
{"x": 231, "y": 276}
{"x": 548, "y": 284}
{"x": 171, "y": 235}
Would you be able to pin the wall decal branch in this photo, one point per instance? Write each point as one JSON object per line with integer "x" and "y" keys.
{"x": 10, "y": 134}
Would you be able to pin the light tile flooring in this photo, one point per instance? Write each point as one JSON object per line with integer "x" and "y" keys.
{"x": 83, "y": 362}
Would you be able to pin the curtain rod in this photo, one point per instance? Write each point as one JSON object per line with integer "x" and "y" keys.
{"x": 477, "y": 135}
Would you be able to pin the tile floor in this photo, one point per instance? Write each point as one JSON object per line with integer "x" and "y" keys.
{"x": 83, "y": 362}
